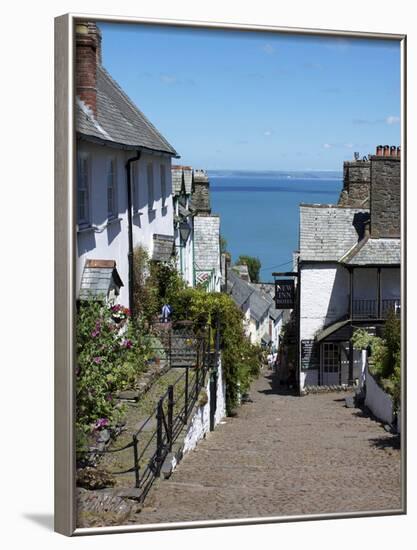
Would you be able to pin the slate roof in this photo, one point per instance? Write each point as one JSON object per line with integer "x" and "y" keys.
{"x": 327, "y": 232}
{"x": 259, "y": 305}
{"x": 118, "y": 119}
{"x": 377, "y": 251}
{"x": 240, "y": 289}
{"x": 163, "y": 248}
{"x": 98, "y": 278}
{"x": 182, "y": 175}
{"x": 177, "y": 179}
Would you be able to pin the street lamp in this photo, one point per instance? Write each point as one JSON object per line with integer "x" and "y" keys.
{"x": 185, "y": 231}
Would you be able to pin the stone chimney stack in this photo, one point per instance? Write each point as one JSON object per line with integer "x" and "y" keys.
{"x": 87, "y": 56}
{"x": 201, "y": 193}
{"x": 356, "y": 184}
{"x": 385, "y": 201}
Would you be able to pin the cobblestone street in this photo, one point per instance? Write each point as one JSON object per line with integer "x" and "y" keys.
{"x": 282, "y": 455}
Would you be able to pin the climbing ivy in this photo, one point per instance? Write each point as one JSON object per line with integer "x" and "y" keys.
{"x": 241, "y": 360}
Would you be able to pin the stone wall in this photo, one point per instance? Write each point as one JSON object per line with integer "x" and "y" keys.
{"x": 385, "y": 197}
{"x": 201, "y": 193}
{"x": 206, "y": 242}
{"x": 356, "y": 184}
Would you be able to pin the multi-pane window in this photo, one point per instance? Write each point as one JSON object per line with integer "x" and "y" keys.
{"x": 83, "y": 206}
{"x": 111, "y": 188}
{"x": 149, "y": 179}
{"x": 163, "y": 185}
{"x": 331, "y": 357}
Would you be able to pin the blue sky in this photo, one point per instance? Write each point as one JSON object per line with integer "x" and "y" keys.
{"x": 260, "y": 101}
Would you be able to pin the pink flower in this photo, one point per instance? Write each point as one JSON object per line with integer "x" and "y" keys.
{"x": 127, "y": 343}
{"x": 101, "y": 423}
{"x": 97, "y": 360}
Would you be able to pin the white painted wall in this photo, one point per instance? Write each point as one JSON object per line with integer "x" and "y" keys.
{"x": 207, "y": 247}
{"x": 257, "y": 329}
{"x": 377, "y": 401}
{"x": 324, "y": 297}
{"x": 276, "y": 326}
{"x": 109, "y": 241}
{"x": 200, "y": 423}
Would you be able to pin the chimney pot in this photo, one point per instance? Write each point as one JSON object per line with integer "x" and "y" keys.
{"x": 379, "y": 151}
{"x": 393, "y": 151}
{"x": 398, "y": 152}
{"x": 386, "y": 151}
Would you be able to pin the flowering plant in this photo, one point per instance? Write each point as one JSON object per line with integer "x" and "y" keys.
{"x": 108, "y": 360}
{"x": 119, "y": 312}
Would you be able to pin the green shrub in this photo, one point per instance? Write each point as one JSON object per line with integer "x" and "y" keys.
{"x": 155, "y": 283}
{"x": 254, "y": 266}
{"x": 240, "y": 359}
{"x": 384, "y": 356}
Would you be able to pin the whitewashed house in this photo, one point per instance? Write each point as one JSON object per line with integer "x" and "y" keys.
{"x": 124, "y": 191}
{"x": 182, "y": 187}
{"x": 197, "y": 230}
{"x": 262, "y": 320}
{"x": 207, "y": 265}
{"x": 349, "y": 268}
{"x": 277, "y": 317}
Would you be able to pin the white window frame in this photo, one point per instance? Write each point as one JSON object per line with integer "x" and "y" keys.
{"x": 83, "y": 186}
{"x": 111, "y": 177}
{"x": 150, "y": 186}
{"x": 163, "y": 176}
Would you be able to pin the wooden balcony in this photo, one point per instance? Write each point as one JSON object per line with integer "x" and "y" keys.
{"x": 371, "y": 309}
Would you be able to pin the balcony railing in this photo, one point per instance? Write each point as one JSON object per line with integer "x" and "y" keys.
{"x": 368, "y": 309}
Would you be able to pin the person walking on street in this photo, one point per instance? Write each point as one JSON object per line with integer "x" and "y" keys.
{"x": 166, "y": 313}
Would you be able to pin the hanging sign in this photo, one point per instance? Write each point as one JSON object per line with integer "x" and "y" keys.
{"x": 284, "y": 294}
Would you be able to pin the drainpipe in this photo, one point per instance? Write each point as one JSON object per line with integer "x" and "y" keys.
{"x": 130, "y": 227}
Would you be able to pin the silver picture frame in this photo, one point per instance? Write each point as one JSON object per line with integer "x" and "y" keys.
{"x": 65, "y": 235}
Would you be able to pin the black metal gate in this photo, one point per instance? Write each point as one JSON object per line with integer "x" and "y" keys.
{"x": 213, "y": 398}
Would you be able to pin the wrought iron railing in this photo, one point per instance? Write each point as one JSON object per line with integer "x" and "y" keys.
{"x": 368, "y": 309}
{"x": 151, "y": 443}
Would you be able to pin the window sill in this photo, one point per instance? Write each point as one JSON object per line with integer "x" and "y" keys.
{"x": 113, "y": 220}
{"x": 84, "y": 228}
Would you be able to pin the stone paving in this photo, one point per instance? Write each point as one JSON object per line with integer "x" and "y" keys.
{"x": 282, "y": 455}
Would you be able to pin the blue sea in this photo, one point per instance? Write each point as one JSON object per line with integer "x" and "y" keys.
{"x": 260, "y": 211}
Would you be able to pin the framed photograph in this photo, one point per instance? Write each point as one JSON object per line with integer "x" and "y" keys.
{"x": 230, "y": 274}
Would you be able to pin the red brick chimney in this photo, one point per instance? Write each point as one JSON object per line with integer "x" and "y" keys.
{"x": 87, "y": 56}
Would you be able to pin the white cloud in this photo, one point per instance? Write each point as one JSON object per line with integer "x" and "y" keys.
{"x": 349, "y": 145}
{"x": 327, "y": 146}
{"x": 268, "y": 48}
{"x": 268, "y": 133}
{"x": 392, "y": 119}
{"x": 168, "y": 78}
